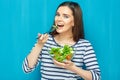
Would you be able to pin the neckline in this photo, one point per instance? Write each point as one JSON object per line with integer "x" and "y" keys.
{"x": 62, "y": 45}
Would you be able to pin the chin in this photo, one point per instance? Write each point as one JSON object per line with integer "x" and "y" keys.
{"x": 60, "y": 31}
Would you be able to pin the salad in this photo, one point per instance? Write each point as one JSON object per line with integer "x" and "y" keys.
{"x": 61, "y": 54}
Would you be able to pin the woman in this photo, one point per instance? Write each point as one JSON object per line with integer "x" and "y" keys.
{"x": 83, "y": 65}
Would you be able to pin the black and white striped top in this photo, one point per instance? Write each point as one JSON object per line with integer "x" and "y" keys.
{"x": 84, "y": 56}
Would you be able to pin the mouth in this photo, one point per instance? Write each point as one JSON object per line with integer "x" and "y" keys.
{"x": 60, "y": 25}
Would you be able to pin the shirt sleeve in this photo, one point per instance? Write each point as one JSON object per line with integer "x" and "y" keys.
{"x": 26, "y": 67}
{"x": 91, "y": 63}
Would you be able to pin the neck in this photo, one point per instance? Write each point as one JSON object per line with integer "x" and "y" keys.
{"x": 65, "y": 38}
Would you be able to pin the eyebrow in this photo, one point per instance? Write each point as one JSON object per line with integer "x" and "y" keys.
{"x": 63, "y": 13}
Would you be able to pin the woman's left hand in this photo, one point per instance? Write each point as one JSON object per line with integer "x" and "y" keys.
{"x": 66, "y": 64}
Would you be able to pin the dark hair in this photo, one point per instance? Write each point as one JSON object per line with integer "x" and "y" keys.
{"x": 78, "y": 31}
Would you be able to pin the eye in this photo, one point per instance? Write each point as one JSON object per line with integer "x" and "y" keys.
{"x": 66, "y": 16}
{"x": 57, "y": 14}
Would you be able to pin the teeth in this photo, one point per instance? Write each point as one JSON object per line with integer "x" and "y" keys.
{"x": 60, "y": 25}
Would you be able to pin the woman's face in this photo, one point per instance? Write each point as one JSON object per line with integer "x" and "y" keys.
{"x": 64, "y": 19}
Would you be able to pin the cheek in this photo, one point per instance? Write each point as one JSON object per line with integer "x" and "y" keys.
{"x": 71, "y": 22}
{"x": 55, "y": 19}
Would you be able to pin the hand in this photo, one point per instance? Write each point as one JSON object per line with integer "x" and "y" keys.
{"x": 66, "y": 64}
{"x": 42, "y": 38}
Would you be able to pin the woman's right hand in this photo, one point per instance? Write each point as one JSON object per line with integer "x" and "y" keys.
{"x": 35, "y": 52}
{"x": 42, "y": 38}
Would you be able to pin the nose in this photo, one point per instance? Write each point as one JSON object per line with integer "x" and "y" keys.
{"x": 59, "y": 18}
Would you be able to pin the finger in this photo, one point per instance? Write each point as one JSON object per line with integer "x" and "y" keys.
{"x": 41, "y": 37}
{"x": 38, "y": 36}
{"x": 46, "y": 37}
{"x": 67, "y": 62}
{"x": 45, "y": 34}
{"x": 58, "y": 63}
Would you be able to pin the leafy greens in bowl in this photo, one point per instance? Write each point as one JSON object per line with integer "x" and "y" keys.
{"x": 61, "y": 54}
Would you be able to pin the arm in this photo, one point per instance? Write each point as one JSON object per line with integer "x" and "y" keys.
{"x": 91, "y": 62}
{"x": 34, "y": 54}
{"x": 70, "y": 66}
{"x": 32, "y": 59}
{"x": 85, "y": 74}
{"x": 92, "y": 71}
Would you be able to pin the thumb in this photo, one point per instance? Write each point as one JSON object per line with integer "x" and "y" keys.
{"x": 67, "y": 61}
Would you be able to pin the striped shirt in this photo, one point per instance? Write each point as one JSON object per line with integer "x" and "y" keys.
{"x": 84, "y": 57}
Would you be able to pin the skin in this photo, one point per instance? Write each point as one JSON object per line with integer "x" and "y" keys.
{"x": 34, "y": 54}
{"x": 63, "y": 17}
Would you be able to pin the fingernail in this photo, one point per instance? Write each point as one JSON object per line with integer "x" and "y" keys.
{"x": 64, "y": 60}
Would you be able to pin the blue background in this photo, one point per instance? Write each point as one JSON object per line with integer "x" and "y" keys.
{"x": 21, "y": 20}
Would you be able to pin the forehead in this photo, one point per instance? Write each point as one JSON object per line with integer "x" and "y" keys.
{"x": 64, "y": 10}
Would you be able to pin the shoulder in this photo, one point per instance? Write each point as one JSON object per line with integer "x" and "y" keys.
{"x": 84, "y": 42}
{"x": 50, "y": 39}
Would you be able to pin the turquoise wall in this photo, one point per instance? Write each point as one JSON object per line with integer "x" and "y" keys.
{"x": 21, "y": 20}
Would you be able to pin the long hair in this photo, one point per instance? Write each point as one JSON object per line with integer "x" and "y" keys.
{"x": 78, "y": 30}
